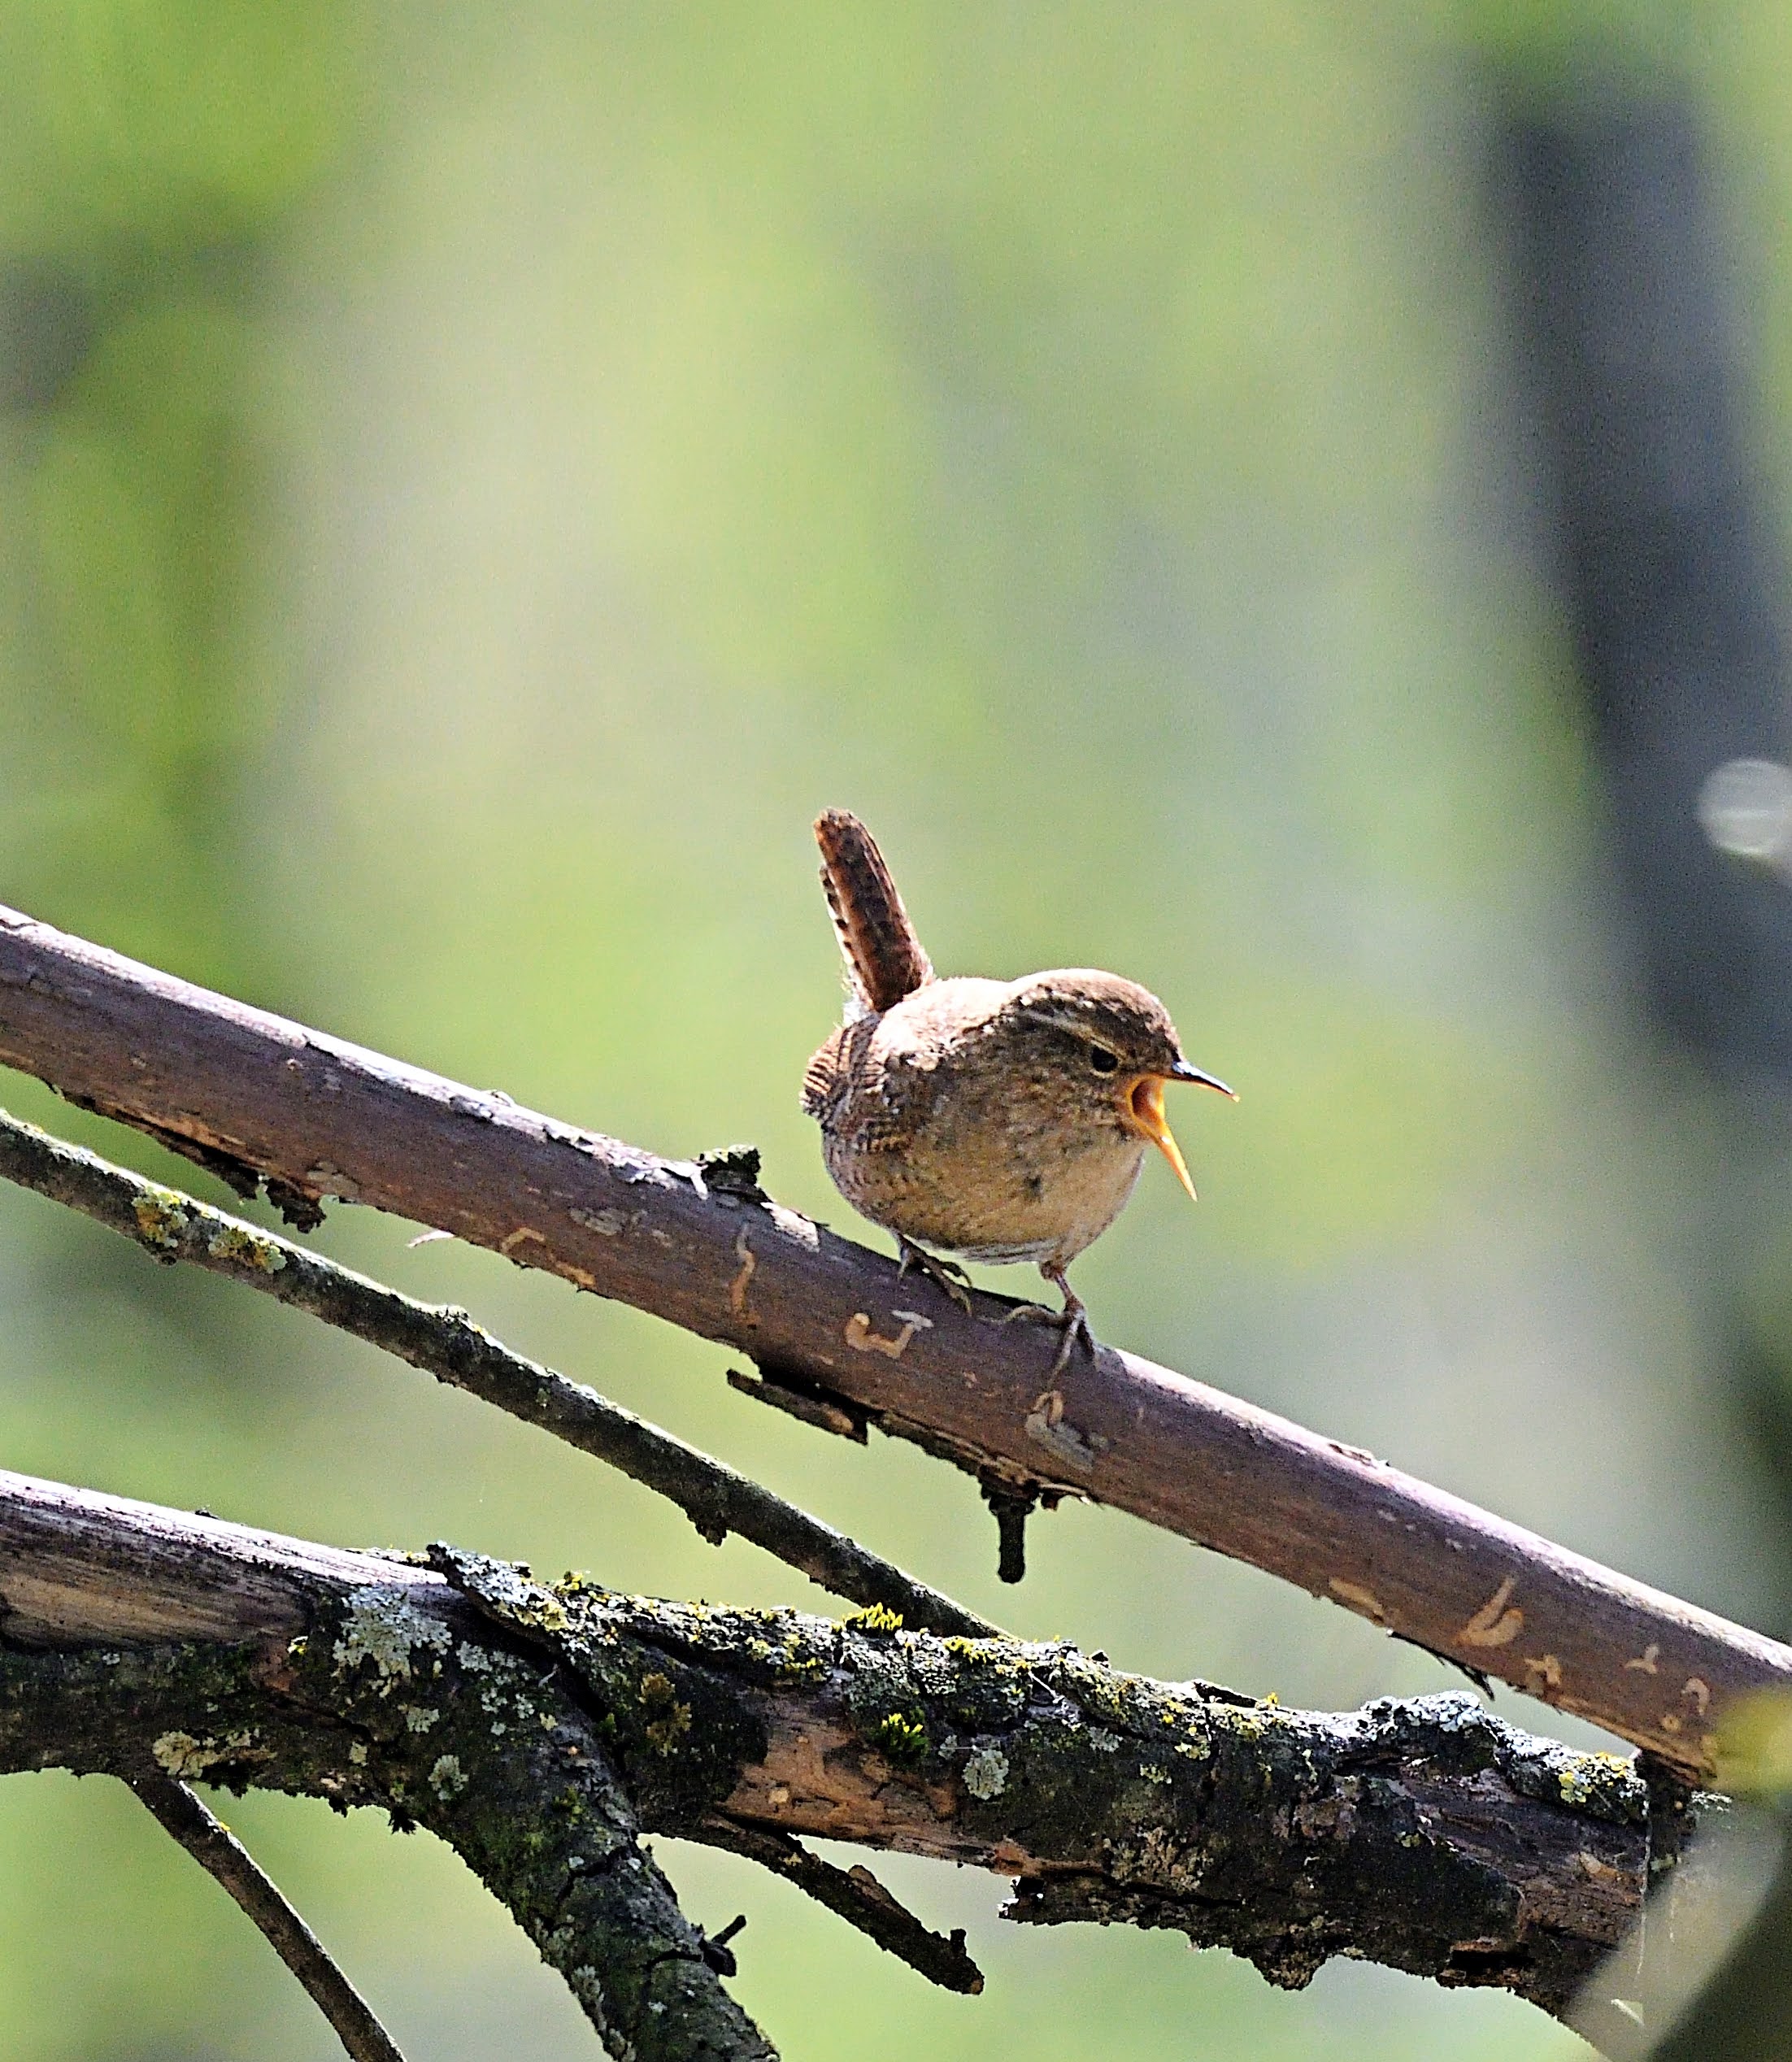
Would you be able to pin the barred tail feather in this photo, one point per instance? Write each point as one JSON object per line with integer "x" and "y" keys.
{"x": 883, "y": 954}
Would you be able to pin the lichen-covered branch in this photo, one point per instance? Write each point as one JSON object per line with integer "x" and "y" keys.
{"x": 539, "y": 1728}
{"x": 365, "y": 1681}
{"x": 256, "y": 1095}
{"x": 1426, "y": 1833}
{"x": 717, "y": 1499}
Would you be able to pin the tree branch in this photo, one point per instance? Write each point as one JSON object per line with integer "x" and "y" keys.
{"x": 259, "y": 1095}
{"x": 223, "y": 1856}
{"x": 538, "y": 1729}
{"x": 855, "y": 1896}
{"x": 186, "y": 1647}
{"x": 717, "y": 1499}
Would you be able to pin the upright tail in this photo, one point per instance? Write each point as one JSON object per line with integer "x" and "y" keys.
{"x": 883, "y": 954}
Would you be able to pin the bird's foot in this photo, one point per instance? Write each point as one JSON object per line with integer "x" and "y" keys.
{"x": 1073, "y": 1321}
{"x": 947, "y": 1276}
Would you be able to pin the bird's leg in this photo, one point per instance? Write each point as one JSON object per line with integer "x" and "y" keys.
{"x": 1073, "y": 1321}
{"x": 947, "y": 1276}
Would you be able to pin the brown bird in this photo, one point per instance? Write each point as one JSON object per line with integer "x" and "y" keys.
{"x": 1002, "y": 1121}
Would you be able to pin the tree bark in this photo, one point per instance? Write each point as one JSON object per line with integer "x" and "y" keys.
{"x": 539, "y": 1729}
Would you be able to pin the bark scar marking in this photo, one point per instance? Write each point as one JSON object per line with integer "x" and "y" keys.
{"x": 1493, "y": 1625}
{"x": 862, "y": 1339}
{"x": 736, "y": 1289}
{"x": 1544, "y": 1670}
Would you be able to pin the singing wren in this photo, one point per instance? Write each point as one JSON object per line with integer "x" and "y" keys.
{"x": 999, "y": 1120}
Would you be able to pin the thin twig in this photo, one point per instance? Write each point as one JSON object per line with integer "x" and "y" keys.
{"x": 218, "y": 1851}
{"x": 446, "y": 1343}
{"x": 855, "y": 1896}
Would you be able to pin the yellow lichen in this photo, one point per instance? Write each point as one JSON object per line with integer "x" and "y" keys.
{"x": 1581, "y": 1780}
{"x": 664, "y": 1733}
{"x": 252, "y": 1248}
{"x": 160, "y": 1217}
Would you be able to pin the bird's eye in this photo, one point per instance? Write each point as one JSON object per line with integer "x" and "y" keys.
{"x": 1103, "y": 1061}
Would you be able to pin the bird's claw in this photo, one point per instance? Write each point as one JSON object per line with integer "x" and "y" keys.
{"x": 947, "y": 1276}
{"x": 1072, "y": 1321}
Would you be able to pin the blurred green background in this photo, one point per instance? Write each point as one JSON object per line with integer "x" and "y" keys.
{"x": 473, "y": 482}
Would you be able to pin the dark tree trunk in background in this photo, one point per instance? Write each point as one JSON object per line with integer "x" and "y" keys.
{"x": 1671, "y": 577}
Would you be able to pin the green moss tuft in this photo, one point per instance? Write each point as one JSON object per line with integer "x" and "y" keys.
{"x": 900, "y": 1738}
{"x": 874, "y": 1618}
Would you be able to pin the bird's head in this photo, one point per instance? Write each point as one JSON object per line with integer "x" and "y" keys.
{"x": 1113, "y": 1045}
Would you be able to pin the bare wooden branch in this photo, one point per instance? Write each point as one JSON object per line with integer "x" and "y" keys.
{"x": 514, "y": 1718}
{"x": 323, "y": 1118}
{"x": 218, "y": 1851}
{"x": 717, "y": 1499}
{"x": 855, "y": 1896}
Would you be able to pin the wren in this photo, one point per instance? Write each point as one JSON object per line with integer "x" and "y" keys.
{"x": 999, "y": 1120}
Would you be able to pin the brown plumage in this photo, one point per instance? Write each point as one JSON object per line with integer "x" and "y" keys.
{"x": 1002, "y": 1121}
{"x": 883, "y": 957}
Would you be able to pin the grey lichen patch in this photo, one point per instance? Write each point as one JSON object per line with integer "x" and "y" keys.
{"x": 181, "y": 1754}
{"x": 386, "y": 1627}
{"x": 161, "y": 1217}
{"x": 1605, "y": 1786}
{"x": 510, "y": 1594}
{"x": 246, "y": 1247}
{"x": 680, "y": 1734}
{"x": 986, "y": 1773}
{"x": 447, "y": 1779}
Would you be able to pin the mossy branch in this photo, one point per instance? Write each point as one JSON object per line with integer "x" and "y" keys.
{"x": 539, "y": 1729}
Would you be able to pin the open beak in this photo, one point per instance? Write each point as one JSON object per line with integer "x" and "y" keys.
{"x": 1146, "y": 1103}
